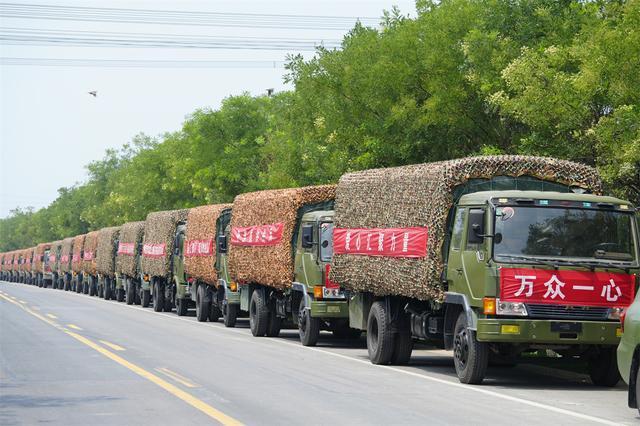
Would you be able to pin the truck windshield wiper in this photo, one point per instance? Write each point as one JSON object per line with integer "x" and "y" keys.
{"x": 529, "y": 259}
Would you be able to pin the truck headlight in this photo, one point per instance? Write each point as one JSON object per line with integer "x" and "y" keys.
{"x": 615, "y": 313}
{"x": 511, "y": 308}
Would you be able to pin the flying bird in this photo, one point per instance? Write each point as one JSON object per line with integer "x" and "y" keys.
{"x": 94, "y": 93}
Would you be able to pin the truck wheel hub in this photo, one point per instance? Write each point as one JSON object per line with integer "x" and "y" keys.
{"x": 461, "y": 347}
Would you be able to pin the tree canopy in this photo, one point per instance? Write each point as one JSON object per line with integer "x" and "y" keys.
{"x": 540, "y": 77}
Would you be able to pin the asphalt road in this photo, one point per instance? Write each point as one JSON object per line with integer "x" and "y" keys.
{"x": 75, "y": 360}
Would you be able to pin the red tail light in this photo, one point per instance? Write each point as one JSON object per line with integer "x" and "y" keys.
{"x": 327, "y": 282}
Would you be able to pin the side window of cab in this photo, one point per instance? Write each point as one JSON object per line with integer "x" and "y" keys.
{"x": 458, "y": 228}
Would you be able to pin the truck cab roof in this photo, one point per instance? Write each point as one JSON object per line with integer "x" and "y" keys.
{"x": 484, "y": 196}
{"x": 318, "y": 215}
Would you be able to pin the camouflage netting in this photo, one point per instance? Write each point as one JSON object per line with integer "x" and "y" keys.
{"x": 30, "y": 254}
{"x": 130, "y": 233}
{"x": 105, "y": 261}
{"x": 66, "y": 253}
{"x": 160, "y": 228}
{"x": 90, "y": 251}
{"x": 54, "y": 250}
{"x": 270, "y": 265}
{"x": 37, "y": 260}
{"x": 25, "y": 266}
{"x": 422, "y": 195}
{"x": 201, "y": 225}
{"x": 76, "y": 260}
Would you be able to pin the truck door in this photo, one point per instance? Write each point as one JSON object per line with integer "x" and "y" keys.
{"x": 455, "y": 274}
{"x": 474, "y": 254}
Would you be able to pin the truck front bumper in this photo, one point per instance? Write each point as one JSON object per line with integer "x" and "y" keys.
{"x": 540, "y": 331}
{"x": 329, "y": 309}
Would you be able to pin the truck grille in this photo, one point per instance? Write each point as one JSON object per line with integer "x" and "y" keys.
{"x": 567, "y": 312}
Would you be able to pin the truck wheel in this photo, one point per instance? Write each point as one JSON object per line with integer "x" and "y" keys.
{"x": 402, "y": 348}
{"x": 308, "y": 327}
{"x": 379, "y": 335}
{"x": 470, "y": 357}
{"x": 54, "y": 284}
{"x": 214, "y": 313}
{"x": 258, "y": 314}
{"x": 119, "y": 294}
{"x": 107, "y": 289}
{"x": 603, "y": 368}
{"x": 637, "y": 396}
{"x": 202, "y": 307}
{"x": 230, "y": 314}
{"x": 182, "y": 307}
{"x": 145, "y": 300}
{"x": 93, "y": 291}
{"x": 85, "y": 287}
{"x": 158, "y": 297}
{"x": 275, "y": 324}
{"x": 129, "y": 291}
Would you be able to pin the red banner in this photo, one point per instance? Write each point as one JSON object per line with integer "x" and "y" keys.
{"x": 52, "y": 258}
{"x": 195, "y": 248}
{"x": 390, "y": 242}
{"x": 575, "y": 288}
{"x": 126, "y": 248}
{"x": 76, "y": 258}
{"x": 258, "y": 235}
{"x": 64, "y": 258}
{"x": 153, "y": 250}
{"x": 88, "y": 255}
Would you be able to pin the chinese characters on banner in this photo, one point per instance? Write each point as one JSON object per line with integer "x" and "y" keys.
{"x": 566, "y": 287}
{"x": 76, "y": 258}
{"x": 153, "y": 250}
{"x": 257, "y": 235}
{"x": 64, "y": 258}
{"x": 126, "y": 248}
{"x": 391, "y": 242}
{"x": 88, "y": 255}
{"x": 52, "y": 258}
{"x": 198, "y": 248}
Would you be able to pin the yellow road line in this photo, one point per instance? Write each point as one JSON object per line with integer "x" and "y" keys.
{"x": 112, "y": 345}
{"x": 172, "y": 389}
{"x": 177, "y": 377}
{"x": 75, "y": 327}
{"x": 52, "y": 316}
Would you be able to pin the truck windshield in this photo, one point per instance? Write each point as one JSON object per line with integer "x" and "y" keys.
{"x": 326, "y": 241}
{"x": 563, "y": 232}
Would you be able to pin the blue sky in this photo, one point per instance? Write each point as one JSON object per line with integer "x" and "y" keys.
{"x": 50, "y": 127}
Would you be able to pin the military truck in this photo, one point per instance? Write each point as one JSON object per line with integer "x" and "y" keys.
{"x": 278, "y": 255}
{"x": 89, "y": 256}
{"x": 64, "y": 264}
{"x": 77, "y": 278}
{"x": 491, "y": 257}
{"x": 127, "y": 269}
{"x": 228, "y": 294}
{"x": 50, "y": 264}
{"x": 107, "y": 246}
{"x": 160, "y": 246}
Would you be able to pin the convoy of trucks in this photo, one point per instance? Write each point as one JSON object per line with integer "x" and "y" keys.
{"x": 495, "y": 258}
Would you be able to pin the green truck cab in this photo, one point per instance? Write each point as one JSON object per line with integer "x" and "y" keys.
{"x": 228, "y": 294}
{"x": 180, "y": 290}
{"x": 525, "y": 271}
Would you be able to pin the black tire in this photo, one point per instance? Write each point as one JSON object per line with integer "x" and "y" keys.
{"x": 275, "y": 323}
{"x": 230, "y": 314}
{"x": 603, "y": 368}
{"x": 637, "y": 396}
{"x": 93, "y": 291}
{"x": 158, "y": 296}
{"x": 308, "y": 327}
{"x": 402, "y": 348}
{"x": 214, "y": 313}
{"x": 145, "y": 299}
{"x": 258, "y": 314}
{"x": 168, "y": 303}
{"x": 379, "y": 335}
{"x": 119, "y": 294}
{"x": 67, "y": 285}
{"x": 107, "y": 289}
{"x": 129, "y": 291}
{"x": 54, "y": 284}
{"x": 203, "y": 306}
{"x": 182, "y": 306}
{"x": 470, "y": 357}
{"x": 85, "y": 287}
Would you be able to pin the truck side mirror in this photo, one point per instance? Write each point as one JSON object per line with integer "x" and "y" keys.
{"x": 307, "y": 236}
{"x": 475, "y": 227}
{"x": 222, "y": 243}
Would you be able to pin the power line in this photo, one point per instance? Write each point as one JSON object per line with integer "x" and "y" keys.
{"x": 138, "y": 63}
{"x": 34, "y": 36}
{"x": 176, "y": 17}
